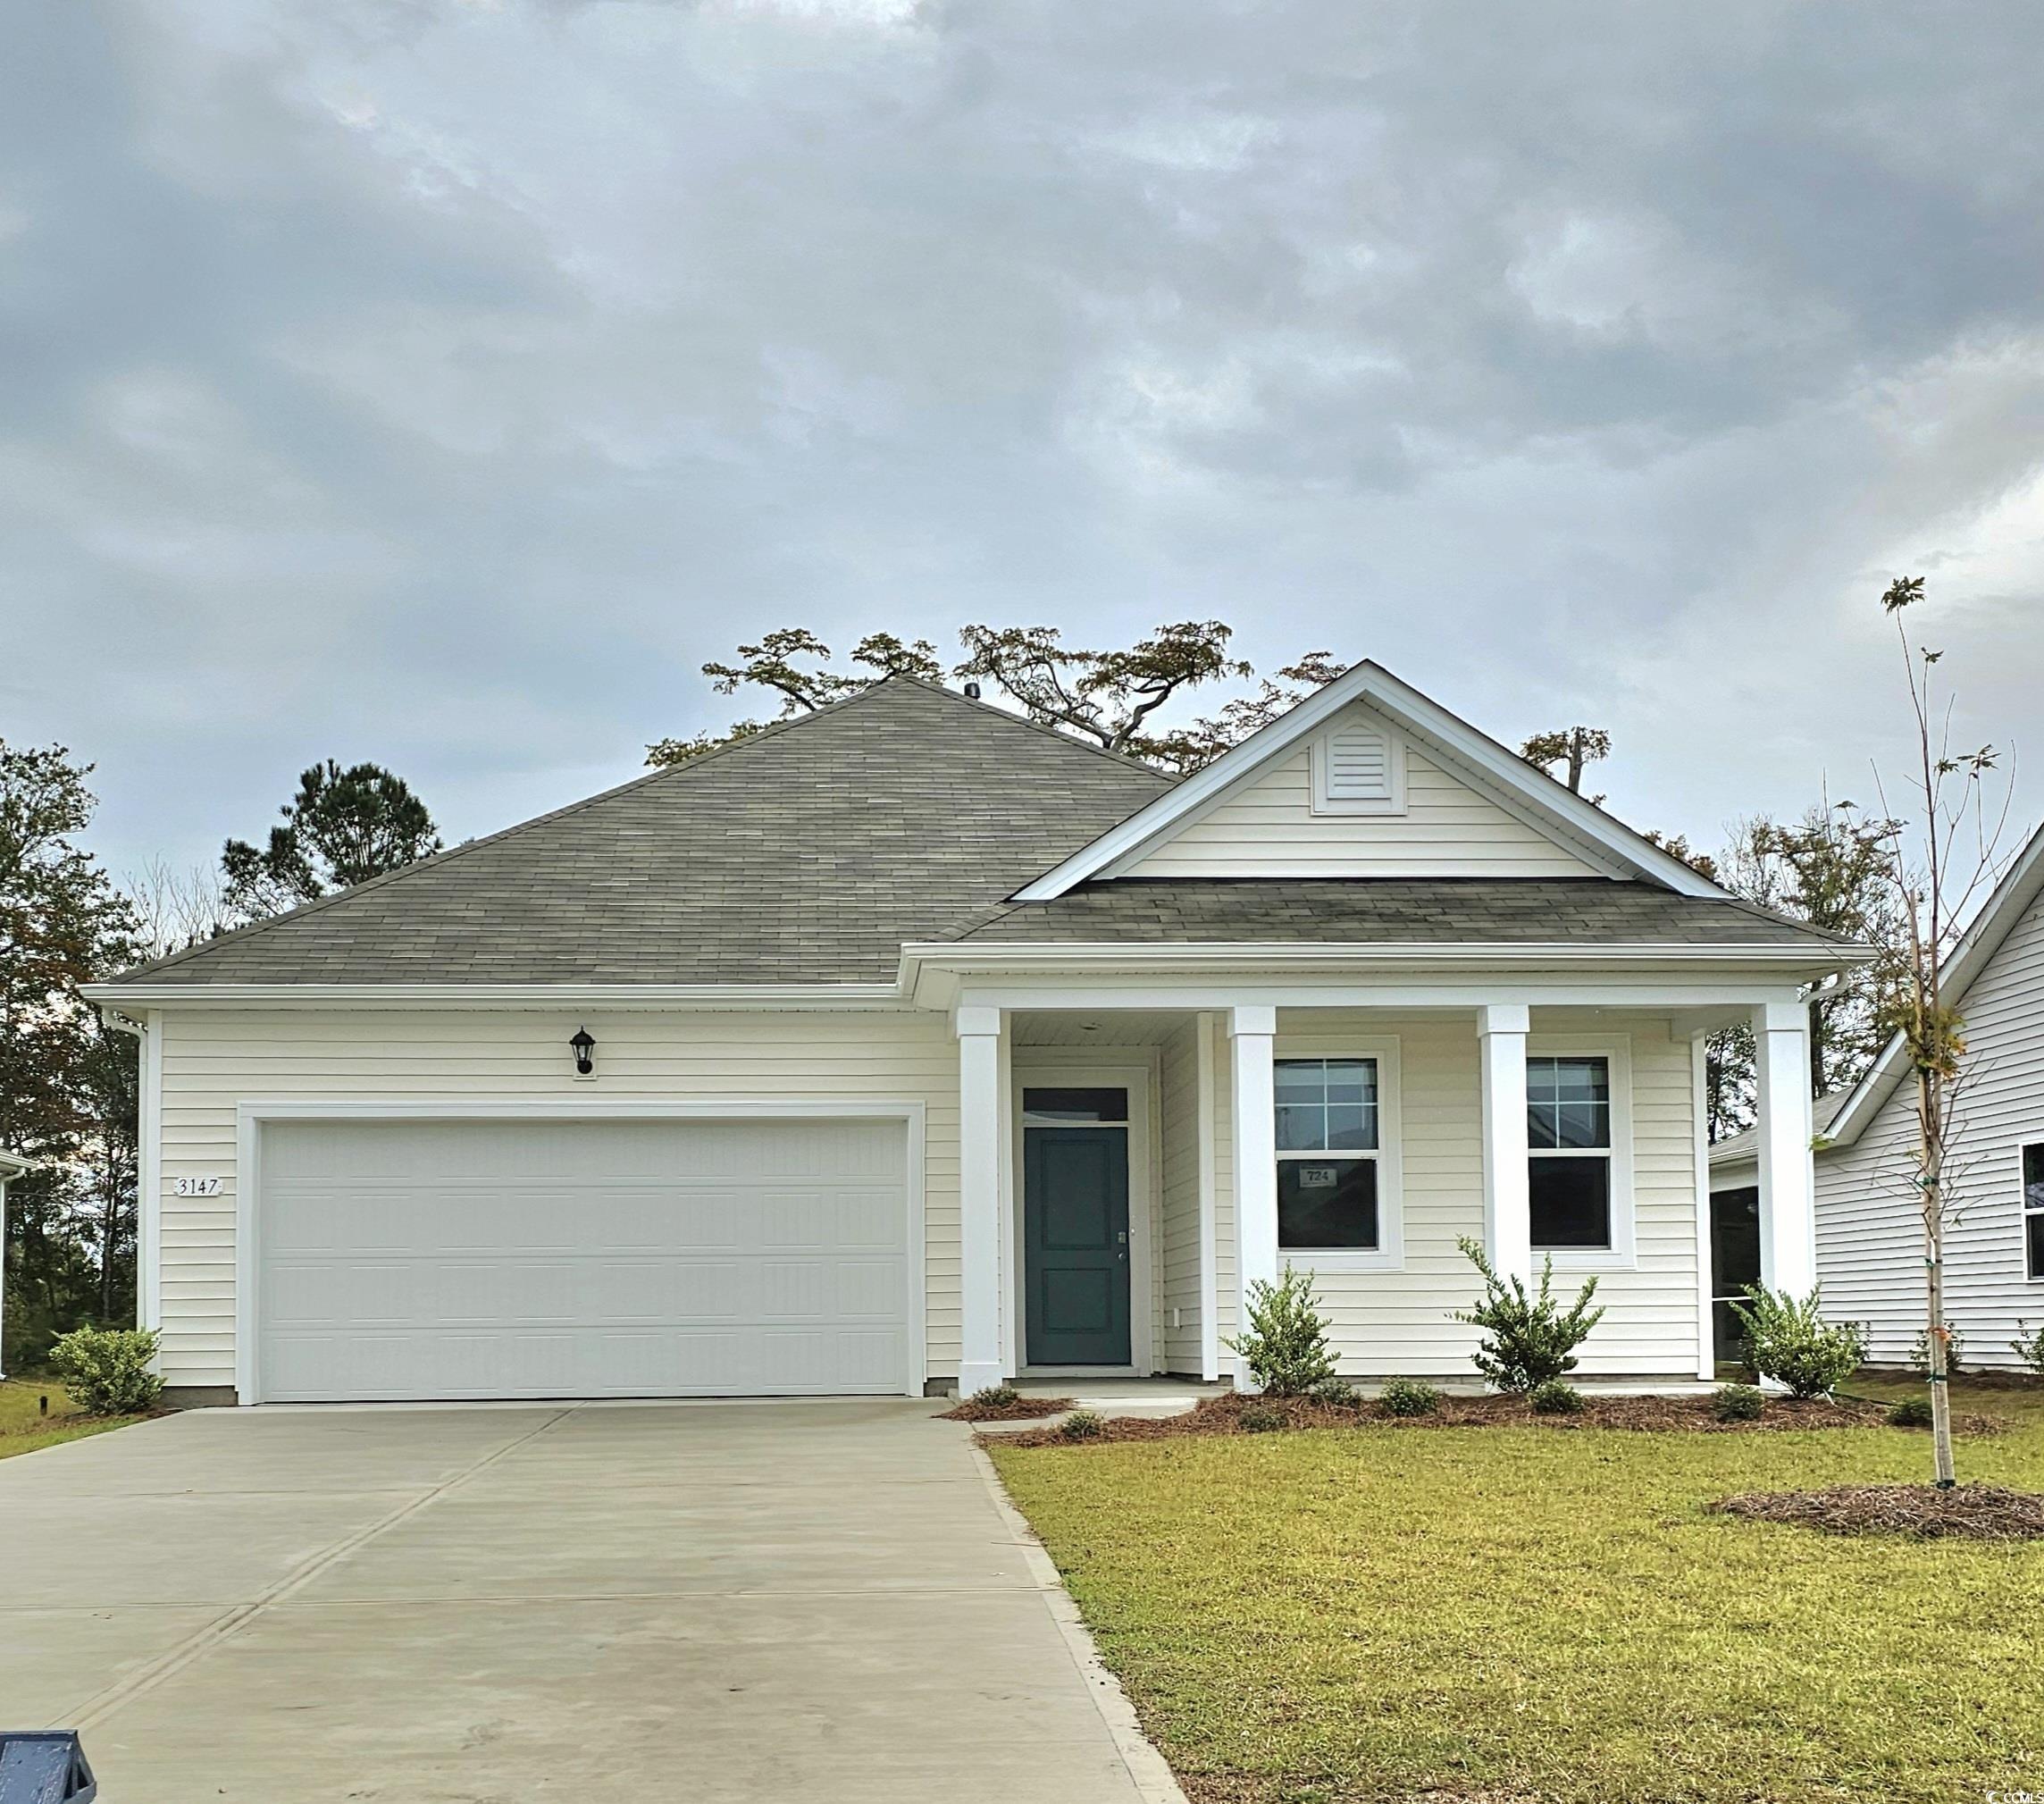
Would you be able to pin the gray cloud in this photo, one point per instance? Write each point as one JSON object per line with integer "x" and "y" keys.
{"x": 442, "y": 383}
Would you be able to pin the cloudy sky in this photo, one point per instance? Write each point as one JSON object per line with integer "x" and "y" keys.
{"x": 442, "y": 383}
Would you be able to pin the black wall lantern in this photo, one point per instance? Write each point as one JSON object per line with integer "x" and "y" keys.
{"x": 583, "y": 1047}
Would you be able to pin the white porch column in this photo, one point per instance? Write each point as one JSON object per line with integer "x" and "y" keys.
{"x": 1507, "y": 1220}
{"x": 1210, "y": 1200}
{"x": 1783, "y": 1129}
{"x": 1255, "y": 1122}
{"x": 979, "y": 1031}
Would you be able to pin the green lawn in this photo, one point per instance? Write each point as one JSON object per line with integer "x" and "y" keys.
{"x": 23, "y": 1429}
{"x": 1513, "y": 1614}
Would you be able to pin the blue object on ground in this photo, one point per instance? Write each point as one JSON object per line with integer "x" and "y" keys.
{"x": 43, "y": 1767}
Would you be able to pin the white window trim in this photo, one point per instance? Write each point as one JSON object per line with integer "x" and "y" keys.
{"x": 1623, "y": 1254}
{"x": 1392, "y": 805}
{"x": 2024, "y": 1212}
{"x": 1389, "y": 1254}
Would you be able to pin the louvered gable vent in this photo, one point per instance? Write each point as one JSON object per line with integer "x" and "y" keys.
{"x": 1359, "y": 766}
{"x": 1358, "y": 770}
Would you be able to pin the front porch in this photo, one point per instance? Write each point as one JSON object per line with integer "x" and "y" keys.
{"x": 1128, "y": 1168}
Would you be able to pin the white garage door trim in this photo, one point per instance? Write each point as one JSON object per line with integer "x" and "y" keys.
{"x": 250, "y": 1117}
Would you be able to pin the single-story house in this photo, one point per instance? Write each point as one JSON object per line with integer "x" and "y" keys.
{"x": 1869, "y": 1225}
{"x": 909, "y": 1045}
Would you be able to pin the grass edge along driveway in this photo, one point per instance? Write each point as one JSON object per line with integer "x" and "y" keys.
{"x": 1519, "y": 1612}
{"x": 23, "y": 1429}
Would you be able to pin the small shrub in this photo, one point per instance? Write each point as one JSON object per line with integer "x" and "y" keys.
{"x": 2029, "y": 1347}
{"x": 1528, "y": 1340}
{"x": 1551, "y": 1397}
{"x": 1912, "y": 1412}
{"x": 1793, "y": 1344}
{"x": 1286, "y": 1346}
{"x": 1406, "y": 1396}
{"x": 1955, "y": 1345}
{"x": 1259, "y": 1418}
{"x": 1338, "y": 1393}
{"x": 106, "y": 1370}
{"x": 996, "y": 1397}
{"x": 1737, "y": 1403}
{"x": 1081, "y": 1424}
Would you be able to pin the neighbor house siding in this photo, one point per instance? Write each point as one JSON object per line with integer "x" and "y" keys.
{"x": 1870, "y": 1230}
{"x": 212, "y": 1061}
{"x": 1385, "y": 1322}
{"x": 1266, "y": 828}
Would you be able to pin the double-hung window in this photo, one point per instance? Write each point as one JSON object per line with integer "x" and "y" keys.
{"x": 2033, "y": 1209}
{"x": 1329, "y": 1149}
{"x": 1569, "y": 1137}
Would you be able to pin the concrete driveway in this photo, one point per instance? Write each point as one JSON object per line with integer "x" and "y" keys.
{"x": 762, "y": 1600}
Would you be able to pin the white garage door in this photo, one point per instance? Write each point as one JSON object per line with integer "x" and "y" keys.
{"x": 621, "y": 1258}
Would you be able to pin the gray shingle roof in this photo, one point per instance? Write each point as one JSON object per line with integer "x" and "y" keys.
{"x": 1392, "y": 910}
{"x": 807, "y": 854}
{"x": 813, "y": 852}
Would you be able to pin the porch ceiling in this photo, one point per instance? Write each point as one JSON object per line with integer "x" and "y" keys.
{"x": 1104, "y": 1027}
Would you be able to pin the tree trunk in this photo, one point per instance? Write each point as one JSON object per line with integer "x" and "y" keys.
{"x": 1932, "y": 1150}
{"x": 109, "y": 1228}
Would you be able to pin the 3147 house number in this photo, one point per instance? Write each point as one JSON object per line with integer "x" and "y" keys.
{"x": 195, "y": 1187}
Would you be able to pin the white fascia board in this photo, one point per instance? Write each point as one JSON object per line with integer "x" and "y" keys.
{"x": 1976, "y": 947}
{"x": 933, "y": 974}
{"x": 1348, "y": 955}
{"x": 622, "y": 996}
{"x": 11, "y": 1167}
{"x": 1555, "y": 809}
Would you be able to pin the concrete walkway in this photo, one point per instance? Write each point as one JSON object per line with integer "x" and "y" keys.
{"x": 757, "y": 1602}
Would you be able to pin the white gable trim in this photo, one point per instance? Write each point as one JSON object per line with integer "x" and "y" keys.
{"x": 1975, "y": 950}
{"x": 1601, "y": 842}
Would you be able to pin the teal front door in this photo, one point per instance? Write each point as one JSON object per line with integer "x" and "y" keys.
{"x": 1074, "y": 1226}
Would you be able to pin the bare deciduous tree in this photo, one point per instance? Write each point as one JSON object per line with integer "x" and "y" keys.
{"x": 1940, "y": 862}
{"x": 174, "y": 909}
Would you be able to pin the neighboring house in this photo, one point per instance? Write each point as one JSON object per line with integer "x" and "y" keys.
{"x": 1870, "y": 1227}
{"x": 909, "y": 1045}
{"x": 11, "y": 1168}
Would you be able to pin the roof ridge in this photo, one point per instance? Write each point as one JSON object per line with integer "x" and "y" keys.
{"x": 1121, "y": 758}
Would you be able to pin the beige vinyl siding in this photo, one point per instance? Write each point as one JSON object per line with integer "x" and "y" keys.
{"x": 1870, "y": 1233}
{"x": 1266, "y": 826}
{"x": 213, "y": 1061}
{"x": 1387, "y": 1323}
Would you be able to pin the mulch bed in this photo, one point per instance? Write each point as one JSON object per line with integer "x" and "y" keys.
{"x": 1645, "y": 1415}
{"x": 1966, "y": 1512}
{"x": 1023, "y": 1409}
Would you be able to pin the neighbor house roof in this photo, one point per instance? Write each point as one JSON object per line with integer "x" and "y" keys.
{"x": 1401, "y": 910}
{"x": 1743, "y": 1148}
{"x": 807, "y": 853}
{"x": 2020, "y": 885}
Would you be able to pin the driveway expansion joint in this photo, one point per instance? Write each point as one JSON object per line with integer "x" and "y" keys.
{"x": 231, "y": 1621}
